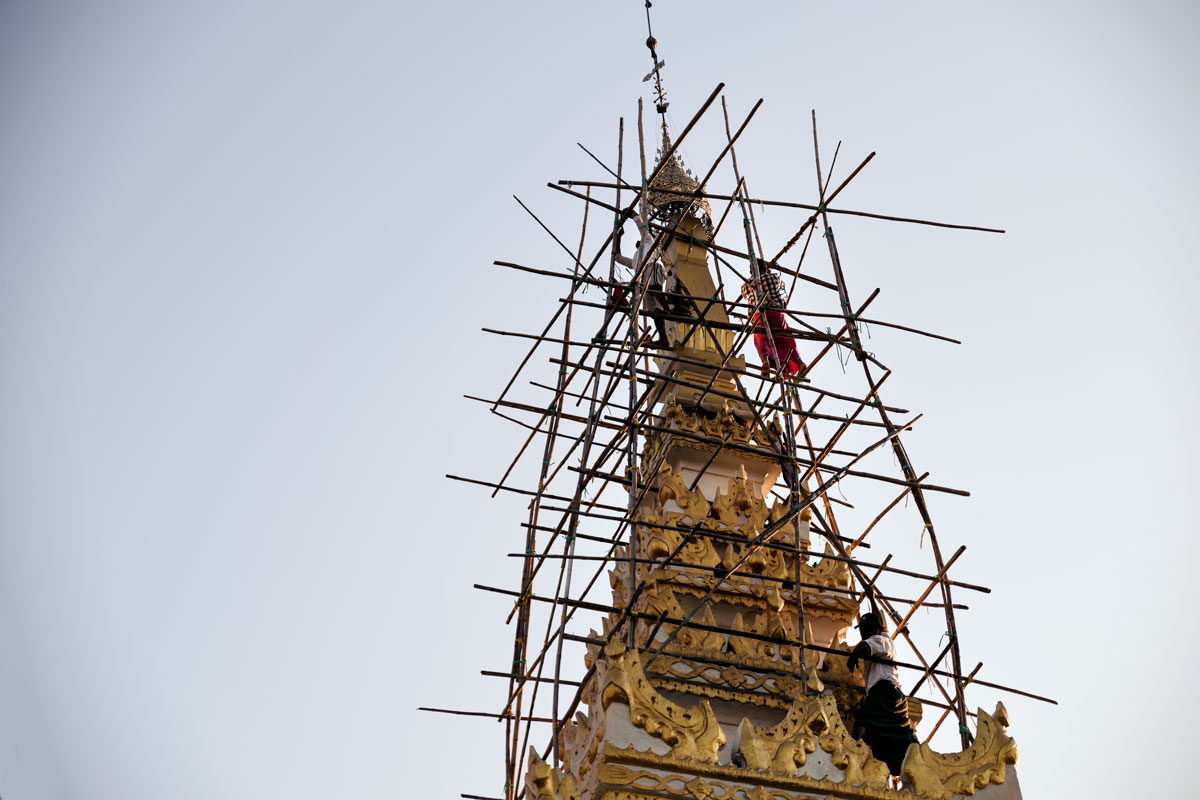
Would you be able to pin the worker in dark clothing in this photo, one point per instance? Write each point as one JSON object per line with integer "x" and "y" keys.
{"x": 882, "y": 719}
{"x": 665, "y": 293}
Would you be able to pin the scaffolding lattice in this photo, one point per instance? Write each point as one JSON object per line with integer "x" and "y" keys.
{"x": 639, "y": 356}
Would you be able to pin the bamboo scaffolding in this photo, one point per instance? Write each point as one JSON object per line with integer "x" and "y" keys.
{"x": 784, "y": 582}
{"x": 600, "y": 448}
{"x": 680, "y": 623}
{"x": 805, "y": 206}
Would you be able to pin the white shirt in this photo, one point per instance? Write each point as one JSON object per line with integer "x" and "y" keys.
{"x": 881, "y": 645}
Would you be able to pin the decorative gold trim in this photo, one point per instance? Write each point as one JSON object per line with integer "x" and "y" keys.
{"x": 767, "y": 623}
{"x": 812, "y": 722}
{"x": 780, "y": 689}
{"x": 717, "y": 693}
{"x": 672, "y": 487}
{"x": 692, "y": 734}
{"x": 679, "y": 183}
{"x": 943, "y": 775}
{"x": 543, "y": 782}
{"x": 729, "y": 778}
{"x": 741, "y": 508}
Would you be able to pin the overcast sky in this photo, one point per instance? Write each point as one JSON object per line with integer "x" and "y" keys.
{"x": 245, "y": 253}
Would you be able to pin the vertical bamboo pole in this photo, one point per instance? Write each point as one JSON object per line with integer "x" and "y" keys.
{"x": 898, "y": 450}
{"x": 788, "y": 466}
{"x": 589, "y": 433}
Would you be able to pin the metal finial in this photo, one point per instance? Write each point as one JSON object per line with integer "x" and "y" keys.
{"x": 660, "y": 94}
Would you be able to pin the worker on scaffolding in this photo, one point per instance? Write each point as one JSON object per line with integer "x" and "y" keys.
{"x": 767, "y": 299}
{"x": 881, "y": 721}
{"x": 671, "y": 300}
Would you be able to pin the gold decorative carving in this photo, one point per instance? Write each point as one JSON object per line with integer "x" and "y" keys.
{"x": 838, "y": 607}
{"x": 729, "y": 782}
{"x": 699, "y": 788}
{"x": 671, "y": 486}
{"x": 741, "y": 507}
{"x": 692, "y": 734}
{"x": 718, "y": 693}
{"x": 757, "y": 684}
{"x": 943, "y": 775}
{"x": 783, "y": 748}
{"x": 678, "y": 183}
{"x": 768, "y": 623}
{"x": 811, "y": 722}
{"x": 693, "y": 509}
{"x": 543, "y": 782}
{"x": 580, "y": 739}
{"x": 827, "y": 571}
{"x": 645, "y": 780}
{"x": 915, "y": 711}
{"x": 724, "y": 424}
{"x": 658, "y": 602}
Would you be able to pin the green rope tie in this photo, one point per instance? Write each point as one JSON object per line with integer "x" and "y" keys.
{"x": 553, "y": 409}
{"x": 821, "y": 208}
{"x": 686, "y": 620}
{"x": 828, "y": 234}
{"x": 963, "y": 729}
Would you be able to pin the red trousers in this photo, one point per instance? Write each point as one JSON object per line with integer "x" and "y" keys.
{"x": 777, "y": 352}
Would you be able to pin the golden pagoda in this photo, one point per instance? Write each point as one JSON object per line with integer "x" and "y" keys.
{"x": 711, "y": 698}
{"x": 708, "y": 490}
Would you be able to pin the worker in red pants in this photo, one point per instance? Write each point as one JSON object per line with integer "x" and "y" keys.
{"x": 775, "y": 347}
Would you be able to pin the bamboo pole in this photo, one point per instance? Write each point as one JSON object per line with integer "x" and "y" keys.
{"x": 806, "y": 206}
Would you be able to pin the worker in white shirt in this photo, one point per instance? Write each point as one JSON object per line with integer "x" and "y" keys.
{"x": 881, "y": 721}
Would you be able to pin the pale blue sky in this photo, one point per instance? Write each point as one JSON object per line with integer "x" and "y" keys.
{"x": 245, "y": 251}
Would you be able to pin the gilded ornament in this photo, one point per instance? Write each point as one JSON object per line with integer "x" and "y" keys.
{"x": 811, "y": 722}
{"x": 674, "y": 187}
{"x": 692, "y": 734}
{"x": 699, "y": 788}
{"x": 943, "y": 775}
{"x": 741, "y": 505}
{"x": 783, "y": 748}
{"x": 543, "y": 782}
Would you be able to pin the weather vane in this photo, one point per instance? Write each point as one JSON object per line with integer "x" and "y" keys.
{"x": 660, "y": 94}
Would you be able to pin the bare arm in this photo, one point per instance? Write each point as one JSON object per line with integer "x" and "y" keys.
{"x": 862, "y": 651}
